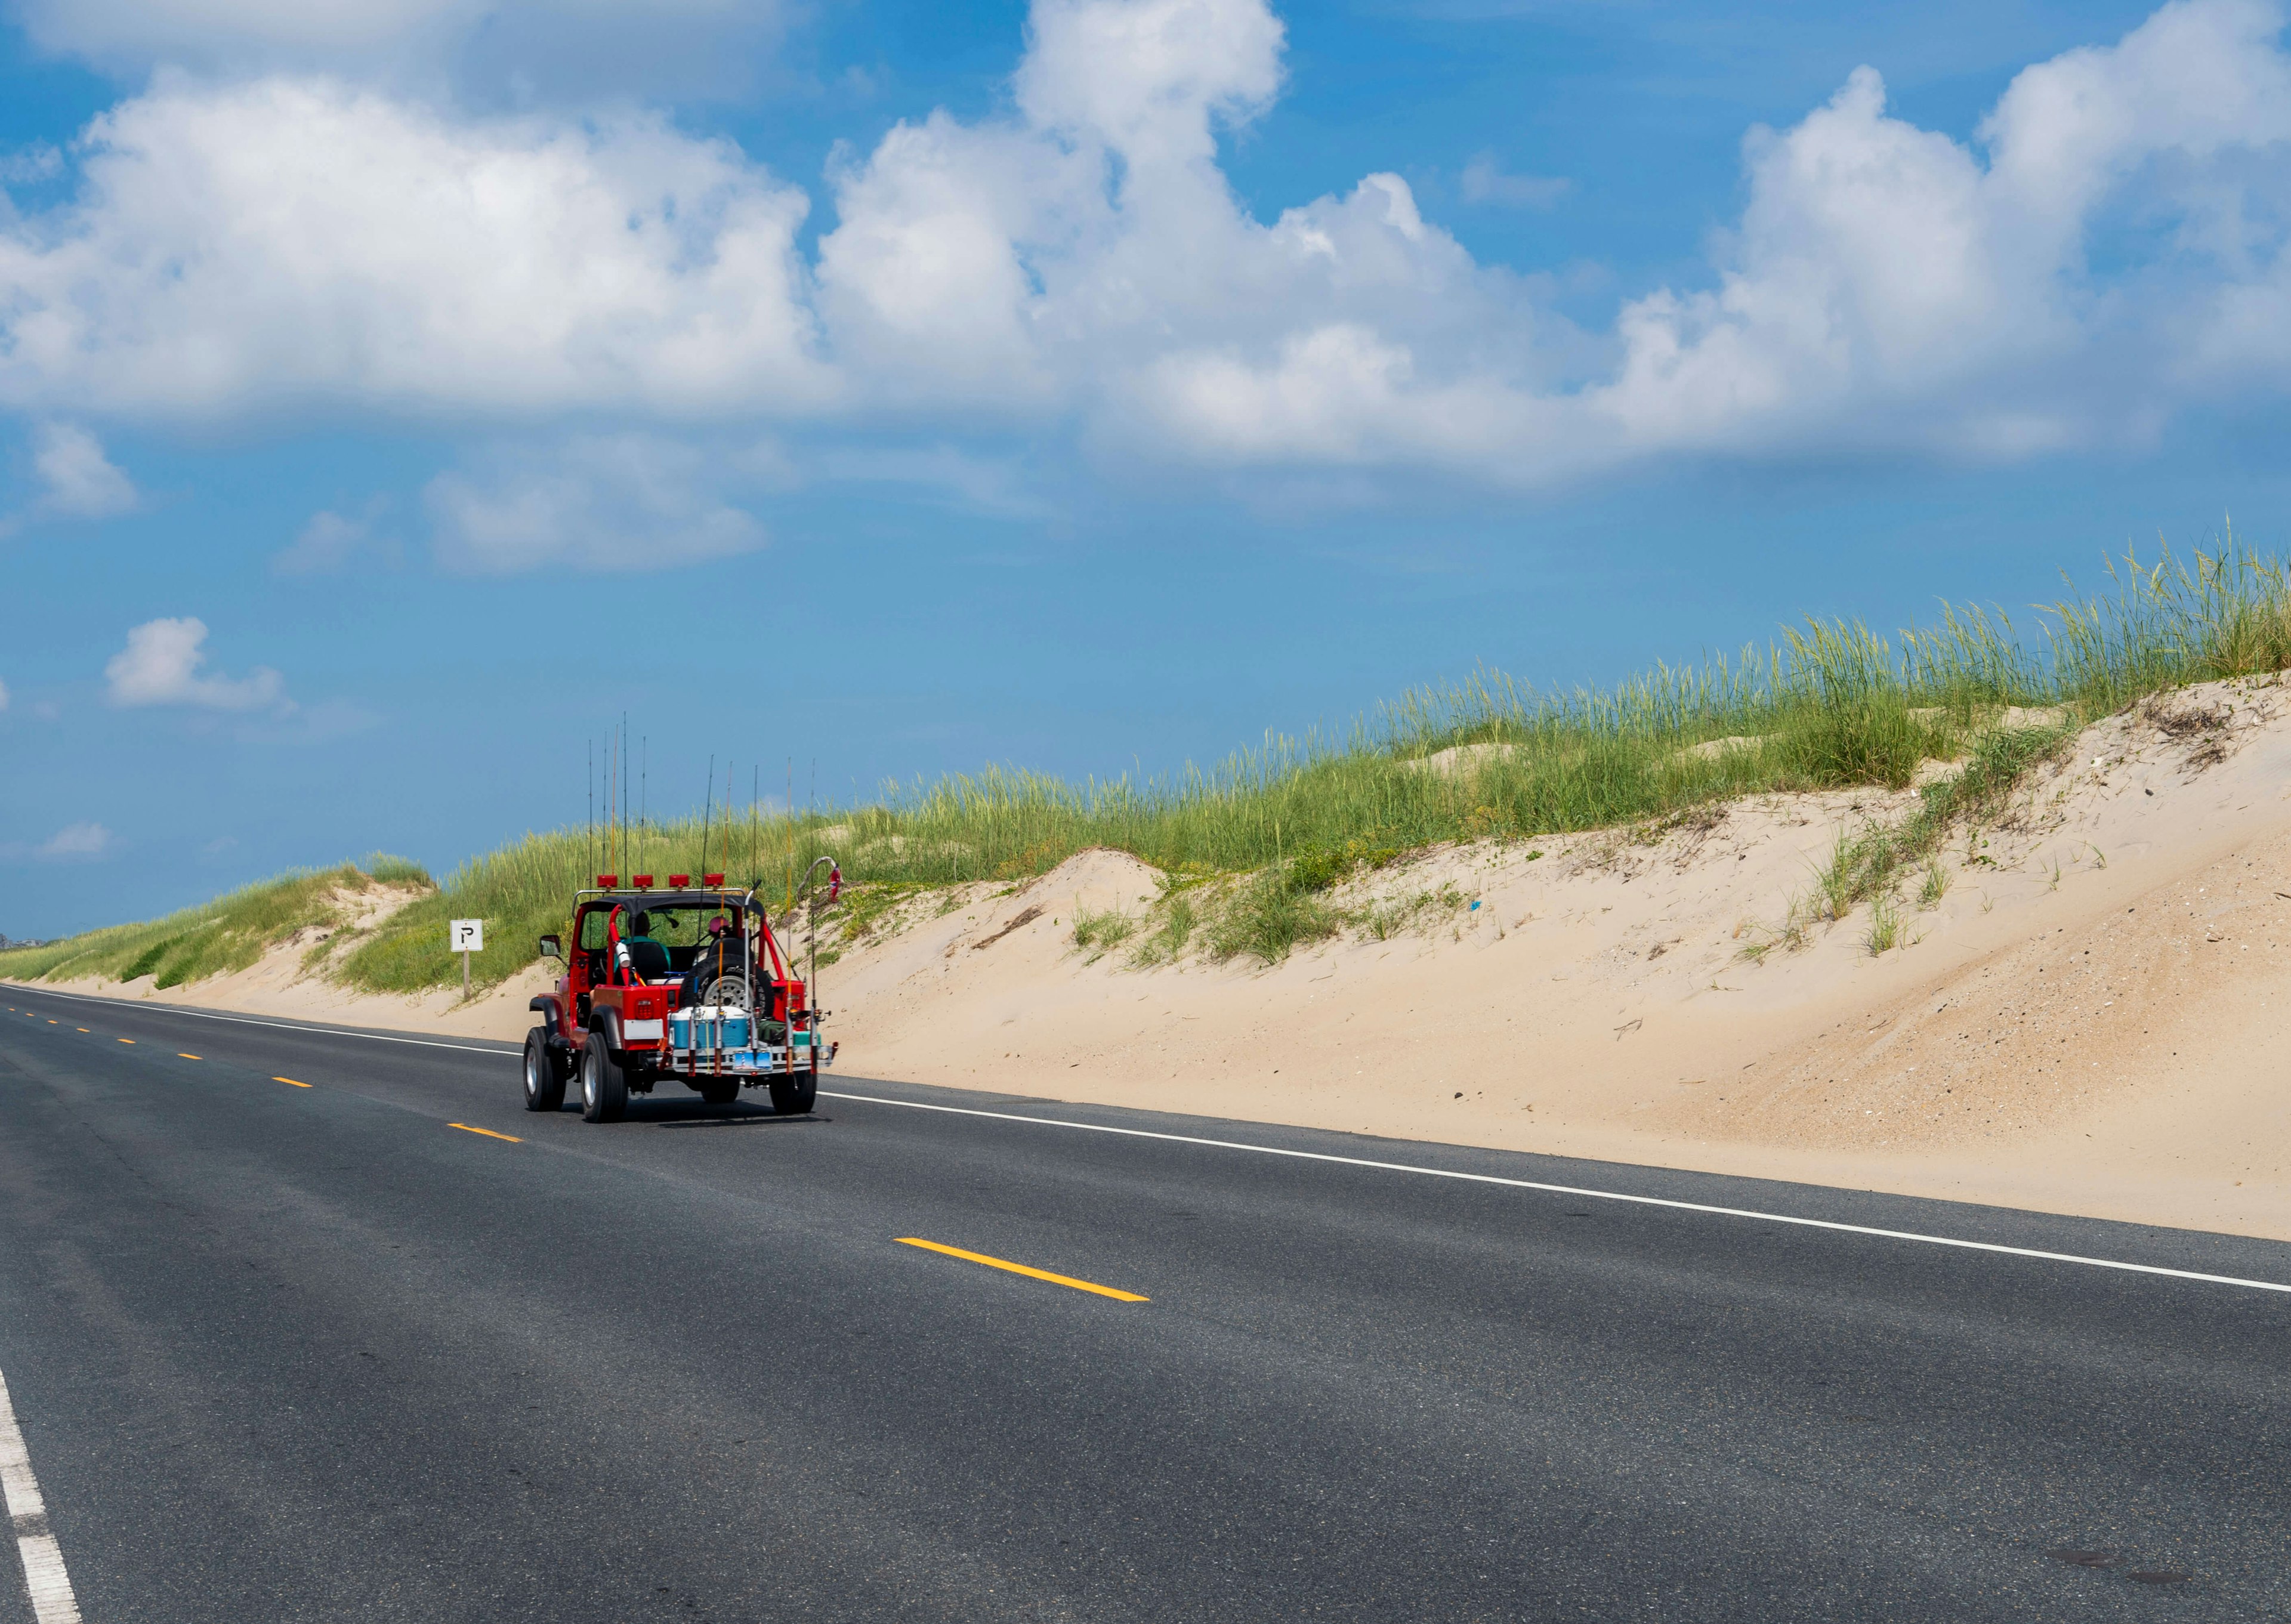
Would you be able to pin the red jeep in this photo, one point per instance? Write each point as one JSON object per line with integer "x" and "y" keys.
{"x": 684, "y": 983}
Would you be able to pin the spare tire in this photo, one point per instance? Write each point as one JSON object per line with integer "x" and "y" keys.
{"x": 725, "y": 986}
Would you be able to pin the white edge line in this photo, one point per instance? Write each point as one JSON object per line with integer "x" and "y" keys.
{"x": 1563, "y": 1189}
{"x": 1310, "y": 1156}
{"x": 44, "y": 1578}
{"x": 248, "y": 1020}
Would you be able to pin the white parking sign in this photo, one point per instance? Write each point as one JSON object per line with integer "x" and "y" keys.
{"x": 466, "y": 936}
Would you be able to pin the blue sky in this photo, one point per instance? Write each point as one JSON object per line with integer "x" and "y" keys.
{"x": 393, "y": 392}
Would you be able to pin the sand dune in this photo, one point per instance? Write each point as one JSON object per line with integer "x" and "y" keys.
{"x": 2092, "y": 1019}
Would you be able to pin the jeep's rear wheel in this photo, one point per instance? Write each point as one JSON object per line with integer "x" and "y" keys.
{"x": 793, "y": 1095}
{"x": 545, "y": 1078}
{"x": 603, "y": 1086}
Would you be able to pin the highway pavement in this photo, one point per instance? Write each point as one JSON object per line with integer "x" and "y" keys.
{"x": 299, "y": 1323}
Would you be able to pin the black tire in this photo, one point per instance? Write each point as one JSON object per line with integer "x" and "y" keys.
{"x": 603, "y": 1086}
{"x": 721, "y": 1090}
{"x": 544, "y": 1076}
{"x": 793, "y": 1095}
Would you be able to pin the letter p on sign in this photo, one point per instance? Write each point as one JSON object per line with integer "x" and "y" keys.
{"x": 466, "y": 936}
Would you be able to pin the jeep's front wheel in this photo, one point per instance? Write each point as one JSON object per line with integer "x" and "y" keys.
{"x": 604, "y": 1085}
{"x": 793, "y": 1095}
{"x": 544, "y": 1079}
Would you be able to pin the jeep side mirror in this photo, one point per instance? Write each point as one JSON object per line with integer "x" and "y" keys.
{"x": 551, "y": 948}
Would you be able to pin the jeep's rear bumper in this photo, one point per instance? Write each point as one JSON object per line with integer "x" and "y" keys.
{"x": 758, "y": 1064}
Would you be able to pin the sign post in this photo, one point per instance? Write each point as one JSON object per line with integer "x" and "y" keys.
{"x": 466, "y": 936}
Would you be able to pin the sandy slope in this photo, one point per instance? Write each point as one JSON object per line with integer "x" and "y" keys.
{"x": 280, "y": 984}
{"x": 2097, "y": 1043}
{"x": 2089, "y": 1021}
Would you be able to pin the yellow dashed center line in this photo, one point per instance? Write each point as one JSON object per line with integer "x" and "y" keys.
{"x": 290, "y": 1083}
{"x": 489, "y": 1132}
{"x": 181, "y": 1056}
{"x": 127, "y": 1040}
{"x": 1020, "y": 1269}
{"x": 83, "y": 1029}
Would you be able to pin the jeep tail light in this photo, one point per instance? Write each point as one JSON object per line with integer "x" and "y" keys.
{"x": 679, "y": 880}
{"x": 712, "y": 878}
{"x": 644, "y": 882}
{"x": 606, "y": 882}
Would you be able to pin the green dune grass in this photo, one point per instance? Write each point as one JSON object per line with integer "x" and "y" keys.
{"x": 216, "y": 937}
{"x": 1831, "y": 705}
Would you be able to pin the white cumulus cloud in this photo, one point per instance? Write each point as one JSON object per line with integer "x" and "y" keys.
{"x": 1080, "y": 265}
{"x": 1147, "y": 78}
{"x": 1889, "y": 285}
{"x": 605, "y": 503}
{"x": 1075, "y": 260}
{"x": 161, "y": 666}
{"x": 77, "y": 480}
{"x": 286, "y": 241}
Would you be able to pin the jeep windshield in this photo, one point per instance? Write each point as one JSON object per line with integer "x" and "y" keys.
{"x": 675, "y": 925}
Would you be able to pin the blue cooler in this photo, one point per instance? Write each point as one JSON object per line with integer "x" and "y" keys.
{"x": 707, "y": 1029}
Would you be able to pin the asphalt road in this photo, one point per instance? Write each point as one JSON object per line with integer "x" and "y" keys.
{"x": 284, "y": 1353}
